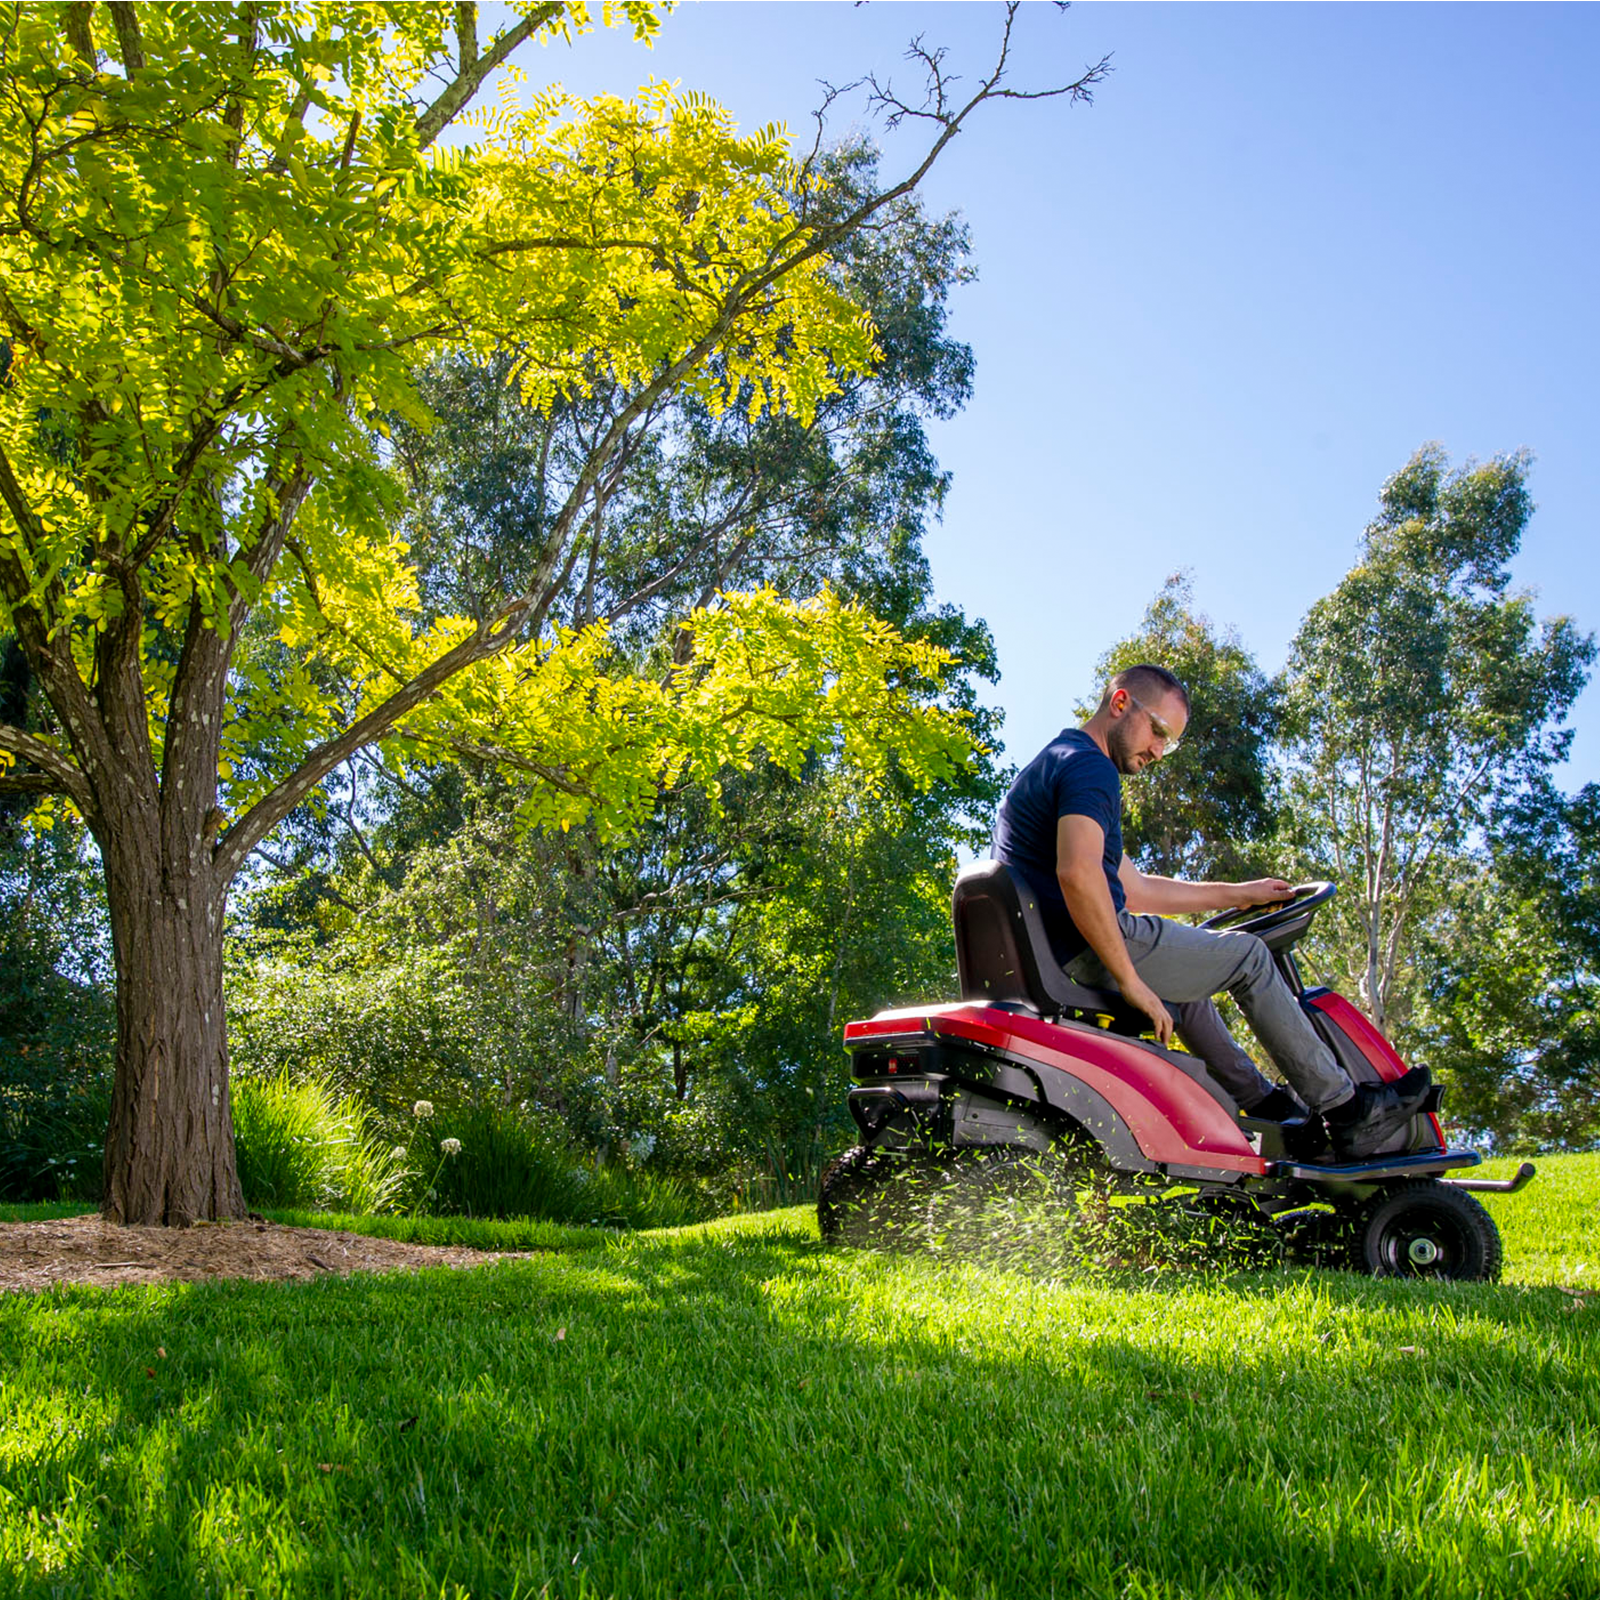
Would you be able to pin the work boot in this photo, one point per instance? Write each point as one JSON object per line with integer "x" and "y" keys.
{"x": 1278, "y": 1106}
{"x": 1375, "y": 1113}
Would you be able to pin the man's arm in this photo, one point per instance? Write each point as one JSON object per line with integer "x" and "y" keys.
{"x": 1080, "y": 845}
{"x": 1168, "y": 897}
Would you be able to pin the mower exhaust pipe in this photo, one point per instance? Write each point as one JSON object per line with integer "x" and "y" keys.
{"x": 1496, "y": 1185}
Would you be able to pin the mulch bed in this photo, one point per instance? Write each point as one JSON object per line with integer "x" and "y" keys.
{"x": 39, "y": 1255}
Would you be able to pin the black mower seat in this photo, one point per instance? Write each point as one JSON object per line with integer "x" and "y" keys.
{"x": 1003, "y": 953}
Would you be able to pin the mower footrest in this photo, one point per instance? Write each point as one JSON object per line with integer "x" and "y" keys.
{"x": 1524, "y": 1175}
{"x": 1409, "y": 1166}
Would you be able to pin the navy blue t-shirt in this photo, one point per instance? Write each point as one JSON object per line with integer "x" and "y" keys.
{"x": 1071, "y": 777}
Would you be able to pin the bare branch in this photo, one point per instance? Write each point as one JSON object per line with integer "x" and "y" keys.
{"x": 936, "y": 102}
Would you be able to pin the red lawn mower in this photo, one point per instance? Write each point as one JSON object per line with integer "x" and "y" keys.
{"x": 1029, "y": 1067}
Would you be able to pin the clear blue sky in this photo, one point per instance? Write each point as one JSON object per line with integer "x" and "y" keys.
{"x": 1286, "y": 246}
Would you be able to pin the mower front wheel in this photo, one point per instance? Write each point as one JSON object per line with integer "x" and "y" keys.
{"x": 1427, "y": 1229}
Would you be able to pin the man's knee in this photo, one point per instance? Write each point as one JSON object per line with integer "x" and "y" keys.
{"x": 1255, "y": 962}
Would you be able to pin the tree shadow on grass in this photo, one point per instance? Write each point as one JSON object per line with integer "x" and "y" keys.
{"x": 749, "y": 1413}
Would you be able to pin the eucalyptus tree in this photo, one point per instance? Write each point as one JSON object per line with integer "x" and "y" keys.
{"x": 229, "y": 237}
{"x": 1509, "y": 983}
{"x": 1424, "y": 698}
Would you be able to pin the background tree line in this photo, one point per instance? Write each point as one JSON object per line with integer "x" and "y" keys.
{"x": 541, "y": 670}
{"x": 673, "y": 998}
{"x": 1408, "y": 750}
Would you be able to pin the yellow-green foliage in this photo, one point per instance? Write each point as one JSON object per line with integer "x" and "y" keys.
{"x": 225, "y": 251}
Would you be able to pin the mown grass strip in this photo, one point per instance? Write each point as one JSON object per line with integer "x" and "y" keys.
{"x": 473, "y": 1233}
{"x": 732, "y": 1409}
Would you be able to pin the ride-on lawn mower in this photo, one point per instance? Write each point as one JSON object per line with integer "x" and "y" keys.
{"x": 1029, "y": 1067}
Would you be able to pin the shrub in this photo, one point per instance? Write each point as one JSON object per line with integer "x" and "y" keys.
{"x": 510, "y": 1165}
{"x": 299, "y": 1144}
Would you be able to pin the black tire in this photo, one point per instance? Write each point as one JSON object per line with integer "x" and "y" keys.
{"x": 1427, "y": 1229}
{"x": 1312, "y": 1238}
{"x": 871, "y": 1200}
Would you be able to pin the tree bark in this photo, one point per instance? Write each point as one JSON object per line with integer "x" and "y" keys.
{"x": 169, "y": 1149}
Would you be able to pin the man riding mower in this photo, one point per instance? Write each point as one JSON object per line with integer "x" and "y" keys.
{"x": 1065, "y": 960}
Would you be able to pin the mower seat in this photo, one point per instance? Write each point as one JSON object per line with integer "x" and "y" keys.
{"x": 1003, "y": 954}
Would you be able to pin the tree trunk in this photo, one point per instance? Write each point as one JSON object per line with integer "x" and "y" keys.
{"x": 169, "y": 1150}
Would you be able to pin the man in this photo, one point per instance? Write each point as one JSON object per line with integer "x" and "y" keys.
{"x": 1060, "y": 829}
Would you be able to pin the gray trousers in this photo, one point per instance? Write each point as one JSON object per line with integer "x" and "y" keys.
{"x": 1186, "y": 966}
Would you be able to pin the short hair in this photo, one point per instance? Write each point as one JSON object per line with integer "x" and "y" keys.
{"x": 1146, "y": 682}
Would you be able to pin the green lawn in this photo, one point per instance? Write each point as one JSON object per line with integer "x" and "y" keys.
{"x": 733, "y": 1410}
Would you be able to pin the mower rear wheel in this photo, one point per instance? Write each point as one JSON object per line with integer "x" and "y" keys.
{"x": 976, "y": 1196}
{"x": 867, "y": 1198}
{"x": 1427, "y": 1229}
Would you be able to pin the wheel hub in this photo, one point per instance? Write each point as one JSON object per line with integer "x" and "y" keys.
{"x": 1423, "y": 1252}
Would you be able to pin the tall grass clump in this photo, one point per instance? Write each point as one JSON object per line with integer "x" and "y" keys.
{"x": 508, "y": 1165}
{"x": 301, "y": 1144}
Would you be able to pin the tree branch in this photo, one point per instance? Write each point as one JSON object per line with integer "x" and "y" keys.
{"x": 466, "y": 36}
{"x": 59, "y": 773}
{"x": 278, "y": 802}
{"x": 496, "y": 756}
{"x": 470, "y": 74}
{"x": 125, "y": 19}
{"x": 29, "y": 783}
{"x": 76, "y": 27}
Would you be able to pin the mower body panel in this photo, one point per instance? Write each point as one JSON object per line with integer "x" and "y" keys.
{"x": 970, "y": 1074}
{"x": 1149, "y": 1109}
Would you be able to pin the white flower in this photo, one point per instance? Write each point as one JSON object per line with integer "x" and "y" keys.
{"x": 423, "y": 1109}
{"x": 398, "y": 1153}
{"x": 451, "y": 1147}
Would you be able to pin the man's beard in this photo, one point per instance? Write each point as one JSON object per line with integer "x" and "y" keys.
{"x": 1120, "y": 747}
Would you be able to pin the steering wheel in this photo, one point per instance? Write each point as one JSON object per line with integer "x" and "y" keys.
{"x": 1252, "y": 919}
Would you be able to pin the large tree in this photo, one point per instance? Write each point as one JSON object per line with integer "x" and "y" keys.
{"x": 1425, "y": 697}
{"x": 699, "y": 966}
{"x": 228, "y": 238}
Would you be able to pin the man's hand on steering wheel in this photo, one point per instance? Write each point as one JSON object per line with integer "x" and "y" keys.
{"x": 1259, "y": 892}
